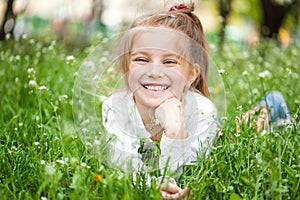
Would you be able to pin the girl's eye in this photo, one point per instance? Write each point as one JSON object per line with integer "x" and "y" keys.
{"x": 171, "y": 62}
{"x": 141, "y": 59}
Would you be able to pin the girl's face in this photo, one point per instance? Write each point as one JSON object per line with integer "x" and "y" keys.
{"x": 156, "y": 71}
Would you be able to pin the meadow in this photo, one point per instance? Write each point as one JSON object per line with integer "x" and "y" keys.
{"x": 43, "y": 157}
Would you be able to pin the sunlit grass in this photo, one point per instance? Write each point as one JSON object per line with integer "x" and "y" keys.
{"x": 43, "y": 157}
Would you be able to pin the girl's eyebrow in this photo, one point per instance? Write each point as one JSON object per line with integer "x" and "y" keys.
{"x": 145, "y": 52}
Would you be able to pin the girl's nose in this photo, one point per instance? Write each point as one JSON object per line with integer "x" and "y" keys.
{"x": 155, "y": 71}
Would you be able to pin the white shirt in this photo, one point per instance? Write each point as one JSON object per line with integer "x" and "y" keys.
{"x": 125, "y": 128}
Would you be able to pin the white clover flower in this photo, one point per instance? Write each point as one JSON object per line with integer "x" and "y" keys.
{"x": 85, "y": 130}
{"x": 42, "y": 87}
{"x": 70, "y": 59}
{"x": 61, "y": 162}
{"x": 245, "y": 73}
{"x": 220, "y": 133}
{"x": 44, "y": 198}
{"x": 37, "y": 118}
{"x": 17, "y": 57}
{"x": 50, "y": 169}
{"x": 283, "y": 2}
{"x": 97, "y": 142}
{"x": 36, "y": 143}
{"x": 73, "y": 160}
{"x": 16, "y": 79}
{"x": 265, "y": 74}
{"x": 103, "y": 59}
{"x": 224, "y": 118}
{"x": 239, "y": 107}
{"x": 7, "y": 36}
{"x": 88, "y": 144}
{"x": 32, "y": 83}
{"x": 20, "y": 124}
{"x": 63, "y": 97}
{"x": 24, "y": 36}
{"x": 56, "y": 138}
{"x": 31, "y": 71}
{"x": 42, "y": 162}
{"x": 255, "y": 92}
{"x": 222, "y": 71}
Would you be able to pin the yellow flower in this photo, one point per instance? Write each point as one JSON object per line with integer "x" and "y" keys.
{"x": 97, "y": 178}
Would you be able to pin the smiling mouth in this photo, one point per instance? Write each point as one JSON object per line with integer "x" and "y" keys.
{"x": 155, "y": 87}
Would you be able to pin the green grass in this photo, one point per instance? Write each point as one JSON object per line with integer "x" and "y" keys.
{"x": 42, "y": 155}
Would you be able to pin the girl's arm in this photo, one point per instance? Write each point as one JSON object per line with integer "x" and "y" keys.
{"x": 196, "y": 132}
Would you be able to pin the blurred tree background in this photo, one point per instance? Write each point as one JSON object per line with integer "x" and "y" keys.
{"x": 256, "y": 19}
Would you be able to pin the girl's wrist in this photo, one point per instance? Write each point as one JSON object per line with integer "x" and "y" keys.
{"x": 173, "y": 134}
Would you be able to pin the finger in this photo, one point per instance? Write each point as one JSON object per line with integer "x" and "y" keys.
{"x": 184, "y": 192}
{"x": 170, "y": 188}
{"x": 167, "y": 196}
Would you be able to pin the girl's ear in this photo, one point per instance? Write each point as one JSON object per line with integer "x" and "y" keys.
{"x": 194, "y": 73}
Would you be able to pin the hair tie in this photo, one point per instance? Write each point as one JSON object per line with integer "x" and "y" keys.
{"x": 182, "y": 7}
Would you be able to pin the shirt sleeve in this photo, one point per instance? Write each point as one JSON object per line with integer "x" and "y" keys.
{"x": 123, "y": 147}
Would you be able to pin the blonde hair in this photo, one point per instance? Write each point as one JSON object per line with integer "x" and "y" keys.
{"x": 182, "y": 20}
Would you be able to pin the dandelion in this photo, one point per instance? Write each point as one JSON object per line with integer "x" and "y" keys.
{"x": 97, "y": 178}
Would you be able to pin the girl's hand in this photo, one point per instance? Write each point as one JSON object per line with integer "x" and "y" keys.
{"x": 169, "y": 190}
{"x": 170, "y": 116}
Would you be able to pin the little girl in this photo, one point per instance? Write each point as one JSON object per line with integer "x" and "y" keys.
{"x": 164, "y": 118}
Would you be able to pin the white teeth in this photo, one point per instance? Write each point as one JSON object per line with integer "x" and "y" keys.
{"x": 156, "y": 87}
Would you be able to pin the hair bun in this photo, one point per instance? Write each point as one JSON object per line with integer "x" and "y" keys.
{"x": 183, "y": 8}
